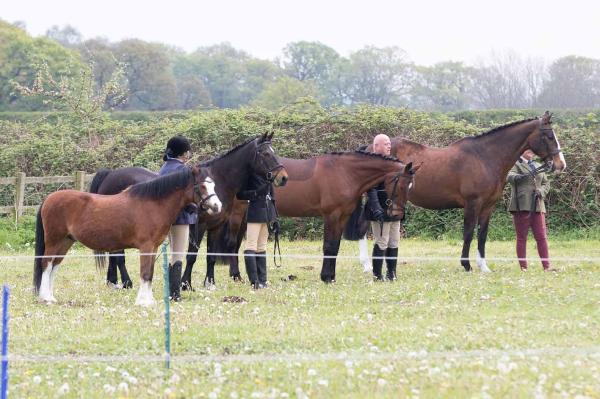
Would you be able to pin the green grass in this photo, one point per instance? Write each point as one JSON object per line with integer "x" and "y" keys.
{"x": 436, "y": 332}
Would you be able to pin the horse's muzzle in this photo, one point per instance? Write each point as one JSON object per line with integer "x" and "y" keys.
{"x": 279, "y": 177}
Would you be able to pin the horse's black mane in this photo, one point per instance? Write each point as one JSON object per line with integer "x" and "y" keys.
{"x": 362, "y": 152}
{"x": 162, "y": 185}
{"x": 494, "y": 130}
{"x": 237, "y": 147}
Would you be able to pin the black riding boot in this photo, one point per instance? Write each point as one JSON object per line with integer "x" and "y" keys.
{"x": 175, "y": 281}
{"x": 251, "y": 267}
{"x": 391, "y": 260}
{"x": 261, "y": 267}
{"x": 377, "y": 263}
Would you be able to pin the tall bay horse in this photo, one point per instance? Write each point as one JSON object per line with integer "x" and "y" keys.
{"x": 230, "y": 171}
{"x": 139, "y": 217}
{"x": 471, "y": 173}
{"x": 330, "y": 185}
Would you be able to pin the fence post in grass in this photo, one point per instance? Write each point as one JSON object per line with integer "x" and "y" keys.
{"x": 167, "y": 292}
{"x": 4, "y": 387}
{"x": 19, "y": 195}
{"x": 80, "y": 180}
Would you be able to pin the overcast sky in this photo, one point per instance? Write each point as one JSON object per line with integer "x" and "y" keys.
{"x": 429, "y": 31}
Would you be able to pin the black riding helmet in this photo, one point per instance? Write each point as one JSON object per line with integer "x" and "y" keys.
{"x": 176, "y": 146}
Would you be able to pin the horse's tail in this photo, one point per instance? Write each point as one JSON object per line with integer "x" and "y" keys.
{"x": 99, "y": 257}
{"x": 357, "y": 225}
{"x": 226, "y": 241}
{"x": 40, "y": 249}
{"x": 98, "y": 179}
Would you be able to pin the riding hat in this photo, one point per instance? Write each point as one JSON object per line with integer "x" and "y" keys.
{"x": 176, "y": 146}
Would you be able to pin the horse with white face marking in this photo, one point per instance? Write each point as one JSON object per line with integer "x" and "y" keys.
{"x": 139, "y": 217}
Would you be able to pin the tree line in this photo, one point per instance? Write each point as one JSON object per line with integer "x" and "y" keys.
{"x": 160, "y": 77}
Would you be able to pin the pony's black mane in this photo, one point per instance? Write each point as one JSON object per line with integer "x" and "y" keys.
{"x": 366, "y": 153}
{"x": 218, "y": 157}
{"x": 162, "y": 186}
{"x": 494, "y": 130}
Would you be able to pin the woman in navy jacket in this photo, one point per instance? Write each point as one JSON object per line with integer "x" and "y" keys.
{"x": 178, "y": 152}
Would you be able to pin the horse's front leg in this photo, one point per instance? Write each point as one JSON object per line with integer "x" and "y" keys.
{"x": 112, "y": 278}
{"x": 125, "y": 279}
{"x": 470, "y": 220}
{"x": 145, "y": 297}
{"x": 484, "y": 221}
{"x": 331, "y": 246}
{"x": 195, "y": 239}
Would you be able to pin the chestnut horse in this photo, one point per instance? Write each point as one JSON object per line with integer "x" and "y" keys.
{"x": 330, "y": 186}
{"x": 471, "y": 173}
{"x": 139, "y": 217}
{"x": 230, "y": 172}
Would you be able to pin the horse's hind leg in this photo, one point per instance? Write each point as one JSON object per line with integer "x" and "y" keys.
{"x": 125, "y": 279}
{"x": 469, "y": 226}
{"x": 195, "y": 240}
{"x": 484, "y": 221}
{"x": 51, "y": 270}
{"x": 111, "y": 271}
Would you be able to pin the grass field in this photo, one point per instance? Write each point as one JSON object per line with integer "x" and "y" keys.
{"x": 436, "y": 332}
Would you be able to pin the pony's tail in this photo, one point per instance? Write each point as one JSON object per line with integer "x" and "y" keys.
{"x": 98, "y": 179}
{"x": 357, "y": 225}
{"x": 40, "y": 248}
{"x": 99, "y": 257}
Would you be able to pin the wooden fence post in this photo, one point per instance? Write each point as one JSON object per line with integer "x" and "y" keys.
{"x": 80, "y": 180}
{"x": 19, "y": 195}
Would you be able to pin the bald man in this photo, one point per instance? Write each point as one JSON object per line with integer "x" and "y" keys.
{"x": 386, "y": 229}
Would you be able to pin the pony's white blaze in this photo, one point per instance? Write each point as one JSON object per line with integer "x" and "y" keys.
{"x": 561, "y": 157}
{"x": 144, "y": 297}
{"x": 364, "y": 254}
{"x": 482, "y": 263}
{"x": 46, "y": 285}
{"x": 214, "y": 203}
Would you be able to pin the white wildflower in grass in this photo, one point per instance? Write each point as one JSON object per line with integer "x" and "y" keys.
{"x": 234, "y": 395}
{"x": 323, "y": 382}
{"x": 123, "y": 387}
{"x": 132, "y": 380}
{"x": 110, "y": 369}
{"x": 81, "y": 375}
{"x": 37, "y": 379}
{"x": 348, "y": 364}
{"x": 381, "y": 382}
{"x": 256, "y": 394}
{"x": 174, "y": 379}
{"x": 311, "y": 372}
{"x": 64, "y": 388}
{"x": 109, "y": 389}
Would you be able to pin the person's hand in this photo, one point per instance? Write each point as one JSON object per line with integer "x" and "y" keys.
{"x": 520, "y": 178}
{"x": 190, "y": 208}
{"x": 378, "y": 215}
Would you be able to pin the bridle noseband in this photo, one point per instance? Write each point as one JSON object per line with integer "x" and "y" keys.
{"x": 203, "y": 200}
{"x": 390, "y": 201}
{"x": 270, "y": 176}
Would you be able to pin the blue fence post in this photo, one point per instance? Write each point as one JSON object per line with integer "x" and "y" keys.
{"x": 5, "y": 296}
{"x": 167, "y": 293}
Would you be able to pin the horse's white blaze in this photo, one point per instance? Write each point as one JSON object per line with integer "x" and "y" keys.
{"x": 364, "y": 254}
{"x": 46, "y": 285}
{"x": 561, "y": 157}
{"x": 213, "y": 202}
{"x": 144, "y": 297}
{"x": 482, "y": 263}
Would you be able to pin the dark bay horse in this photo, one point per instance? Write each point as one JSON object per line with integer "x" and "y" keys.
{"x": 230, "y": 171}
{"x": 139, "y": 217}
{"x": 330, "y": 185}
{"x": 471, "y": 172}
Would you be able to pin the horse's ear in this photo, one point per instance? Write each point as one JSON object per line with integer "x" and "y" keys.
{"x": 546, "y": 118}
{"x": 413, "y": 170}
{"x": 270, "y": 136}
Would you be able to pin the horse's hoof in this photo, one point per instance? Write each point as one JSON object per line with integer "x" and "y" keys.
{"x": 187, "y": 286}
{"x": 328, "y": 279}
{"x": 237, "y": 278}
{"x": 127, "y": 284}
{"x": 114, "y": 286}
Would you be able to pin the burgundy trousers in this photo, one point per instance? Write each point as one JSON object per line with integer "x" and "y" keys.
{"x": 523, "y": 220}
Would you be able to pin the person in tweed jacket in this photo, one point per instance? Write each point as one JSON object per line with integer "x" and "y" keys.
{"x": 529, "y": 187}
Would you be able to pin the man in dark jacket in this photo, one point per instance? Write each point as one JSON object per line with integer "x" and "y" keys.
{"x": 529, "y": 186}
{"x": 260, "y": 216}
{"x": 386, "y": 229}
